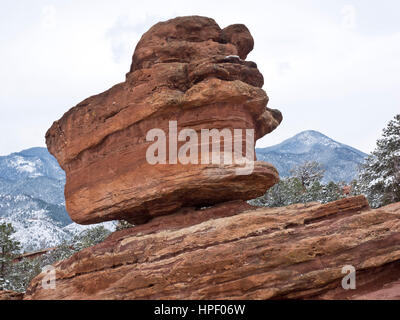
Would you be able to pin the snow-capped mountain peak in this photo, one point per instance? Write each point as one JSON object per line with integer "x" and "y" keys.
{"x": 311, "y": 138}
{"x": 340, "y": 161}
{"x": 304, "y": 141}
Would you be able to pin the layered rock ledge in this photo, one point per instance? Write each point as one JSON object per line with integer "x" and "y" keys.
{"x": 187, "y": 70}
{"x": 10, "y": 295}
{"x": 235, "y": 251}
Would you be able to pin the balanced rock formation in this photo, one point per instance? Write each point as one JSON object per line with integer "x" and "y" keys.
{"x": 194, "y": 236}
{"x": 235, "y": 251}
{"x": 187, "y": 70}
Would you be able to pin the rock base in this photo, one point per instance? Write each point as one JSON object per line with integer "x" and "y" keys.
{"x": 235, "y": 251}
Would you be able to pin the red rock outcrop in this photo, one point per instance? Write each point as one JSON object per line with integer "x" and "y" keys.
{"x": 188, "y": 70}
{"x": 10, "y": 295}
{"x": 234, "y": 251}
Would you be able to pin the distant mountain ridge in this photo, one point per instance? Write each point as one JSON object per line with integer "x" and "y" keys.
{"x": 32, "y": 199}
{"x": 340, "y": 161}
{"x": 34, "y": 172}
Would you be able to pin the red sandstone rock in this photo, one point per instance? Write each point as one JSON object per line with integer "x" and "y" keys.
{"x": 240, "y": 36}
{"x": 233, "y": 251}
{"x": 187, "y": 70}
{"x": 10, "y": 295}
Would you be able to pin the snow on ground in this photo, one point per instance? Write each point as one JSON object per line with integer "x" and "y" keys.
{"x": 75, "y": 228}
{"x": 36, "y": 227}
{"x": 24, "y": 165}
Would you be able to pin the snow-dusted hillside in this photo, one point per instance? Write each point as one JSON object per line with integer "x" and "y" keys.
{"x": 37, "y": 224}
{"x": 33, "y": 172}
{"x": 32, "y": 199}
{"x": 339, "y": 161}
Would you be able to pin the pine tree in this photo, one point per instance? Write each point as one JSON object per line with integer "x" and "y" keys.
{"x": 380, "y": 174}
{"x": 286, "y": 192}
{"x": 308, "y": 173}
{"x": 63, "y": 251}
{"x": 81, "y": 241}
{"x": 355, "y": 188}
{"x": 23, "y": 272}
{"x": 90, "y": 237}
{"x": 122, "y": 224}
{"x": 331, "y": 192}
{"x": 313, "y": 192}
{"x": 8, "y": 251}
{"x": 305, "y": 186}
{"x": 16, "y": 276}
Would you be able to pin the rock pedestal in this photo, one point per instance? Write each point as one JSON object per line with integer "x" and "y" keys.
{"x": 234, "y": 251}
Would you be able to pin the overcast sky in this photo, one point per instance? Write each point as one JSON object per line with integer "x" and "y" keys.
{"x": 330, "y": 66}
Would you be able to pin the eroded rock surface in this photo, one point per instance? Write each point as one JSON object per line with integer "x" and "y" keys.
{"x": 187, "y": 70}
{"x": 234, "y": 251}
{"x": 10, "y": 295}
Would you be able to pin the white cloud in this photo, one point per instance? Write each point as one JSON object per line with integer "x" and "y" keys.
{"x": 49, "y": 16}
{"x": 125, "y": 33}
{"x": 348, "y": 17}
